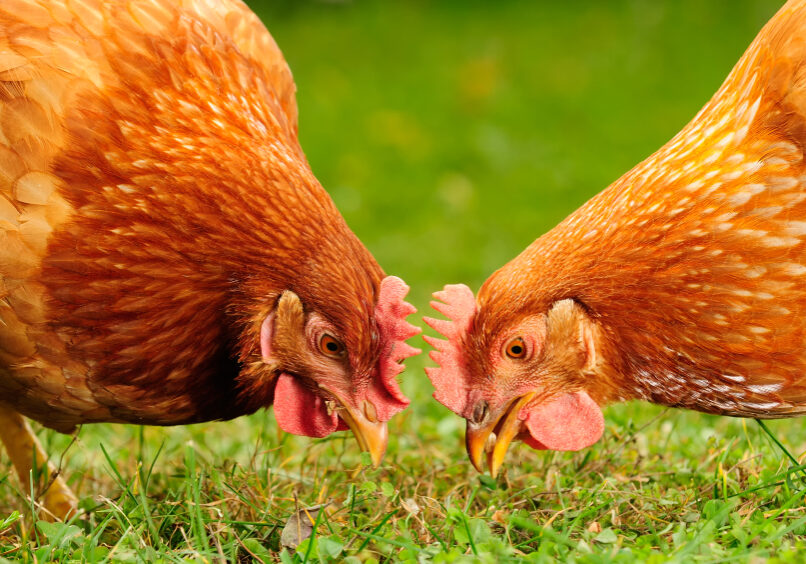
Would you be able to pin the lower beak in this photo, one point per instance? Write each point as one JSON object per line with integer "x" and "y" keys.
{"x": 494, "y": 438}
{"x": 371, "y": 434}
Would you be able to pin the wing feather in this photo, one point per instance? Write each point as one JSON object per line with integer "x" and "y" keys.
{"x": 53, "y": 55}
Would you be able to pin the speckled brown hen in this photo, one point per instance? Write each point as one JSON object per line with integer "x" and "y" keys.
{"x": 166, "y": 254}
{"x": 683, "y": 283}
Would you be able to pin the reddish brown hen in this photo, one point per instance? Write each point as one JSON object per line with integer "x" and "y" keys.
{"x": 166, "y": 254}
{"x": 681, "y": 284}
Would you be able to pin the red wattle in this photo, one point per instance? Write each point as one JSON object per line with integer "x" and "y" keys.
{"x": 570, "y": 422}
{"x": 300, "y": 411}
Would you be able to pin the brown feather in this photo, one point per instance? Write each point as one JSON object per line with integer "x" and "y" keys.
{"x": 154, "y": 204}
{"x": 692, "y": 263}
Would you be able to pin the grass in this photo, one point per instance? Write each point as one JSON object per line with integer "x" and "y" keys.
{"x": 451, "y": 135}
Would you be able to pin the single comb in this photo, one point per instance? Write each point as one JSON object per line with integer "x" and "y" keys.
{"x": 390, "y": 314}
{"x": 451, "y": 378}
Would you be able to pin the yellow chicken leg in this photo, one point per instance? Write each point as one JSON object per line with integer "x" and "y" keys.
{"x": 23, "y": 446}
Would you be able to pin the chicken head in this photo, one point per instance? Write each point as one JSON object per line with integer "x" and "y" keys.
{"x": 525, "y": 380}
{"x": 318, "y": 389}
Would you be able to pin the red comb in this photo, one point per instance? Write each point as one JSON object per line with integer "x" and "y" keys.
{"x": 450, "y": 378}
{"x": 390, "y": 315}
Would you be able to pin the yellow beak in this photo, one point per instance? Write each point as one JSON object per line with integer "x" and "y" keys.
{"x": 372, "y": 435}
{"x": 494, "y": 437}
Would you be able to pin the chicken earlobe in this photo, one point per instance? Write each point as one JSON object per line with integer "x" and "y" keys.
{"x": 290, "y": 316}
{"x": 577, "y": 351}
{"x": 299, "y": 410}
{"x": 571, "y": 420}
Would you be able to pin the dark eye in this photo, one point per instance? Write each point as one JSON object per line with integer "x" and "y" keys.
{"x": 330, "y": 346}
{"x": 516, "y": 348}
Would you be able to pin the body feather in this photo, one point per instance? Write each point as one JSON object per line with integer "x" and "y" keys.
{"x": 694, "y": 261}
{"x": 154, "y": 204}
{"x": 682, "y": 283}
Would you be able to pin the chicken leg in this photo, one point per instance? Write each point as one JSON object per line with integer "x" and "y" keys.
{"x": 23, "y": 448}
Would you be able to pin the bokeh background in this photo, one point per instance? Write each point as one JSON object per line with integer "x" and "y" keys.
{"x": 452, "y": 134}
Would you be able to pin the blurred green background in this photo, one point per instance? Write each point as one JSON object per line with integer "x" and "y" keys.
{"x": 452, "y": 134}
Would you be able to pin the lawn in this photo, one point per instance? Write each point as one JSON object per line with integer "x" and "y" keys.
{"x": 451, "y": 135}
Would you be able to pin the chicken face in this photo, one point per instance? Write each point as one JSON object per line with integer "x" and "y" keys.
{"x": 321, "y": 385}
{"x": 526, "y": 379}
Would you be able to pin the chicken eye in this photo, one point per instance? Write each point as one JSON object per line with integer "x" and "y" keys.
{"x": 516, "y": 348}
{"x": 330, "y": 346}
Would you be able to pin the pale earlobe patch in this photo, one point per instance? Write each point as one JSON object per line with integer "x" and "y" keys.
{"x": 283, "y": 329}
{"x": 587, "y": 338}
{"x": 266, "y": 336}
{"x": 290, "y": 313}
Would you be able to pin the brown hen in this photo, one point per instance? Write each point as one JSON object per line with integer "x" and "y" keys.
{"x": 166, "y": 254}
{"x": 681, "y": 284}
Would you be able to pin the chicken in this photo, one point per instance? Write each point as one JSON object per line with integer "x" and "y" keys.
{"x": 681, "y": 284}
{"x": 166, "y": 254}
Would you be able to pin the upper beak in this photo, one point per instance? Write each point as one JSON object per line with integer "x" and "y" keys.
{"x": 494, "y": 437}
{"x": 372, "y": 435}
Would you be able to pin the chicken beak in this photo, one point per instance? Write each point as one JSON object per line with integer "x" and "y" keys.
{"x": 476, "y": 442}
{"x": 494, "y": 438}
{"x": 371, "y": 434}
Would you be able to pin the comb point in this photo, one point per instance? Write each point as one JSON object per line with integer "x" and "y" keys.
{"x": 450, "y": 378}
{"x": 390, "y": 315}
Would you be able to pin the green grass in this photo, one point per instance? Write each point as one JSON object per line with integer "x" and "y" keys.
{"x": 451, "y": 135}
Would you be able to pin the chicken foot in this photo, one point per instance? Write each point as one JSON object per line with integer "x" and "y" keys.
{"x": 23, "y": 448}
